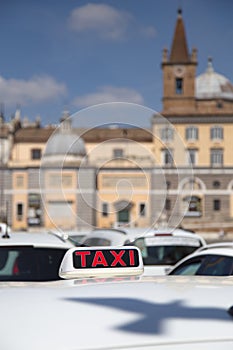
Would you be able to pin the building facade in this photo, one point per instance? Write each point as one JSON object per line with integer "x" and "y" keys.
{"x": 178, "y": 172}
{"x": 201, "y": 110}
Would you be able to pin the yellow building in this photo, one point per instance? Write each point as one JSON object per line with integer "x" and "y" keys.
{"x": 179, "y": 172}
{"x": 200, "y": 109}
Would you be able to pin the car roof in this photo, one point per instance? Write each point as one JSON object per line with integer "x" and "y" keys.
{"x": 122, "y": 313}
{"x": 37, "y": 239}
{"x": 224, "y": 245}
{"x": 225, "y": 248}
{"x": 117, "y": 237}
{"x": 175, "y": 232}
{"x": 170, "y": 235}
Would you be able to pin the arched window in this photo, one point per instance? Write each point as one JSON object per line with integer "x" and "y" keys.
{"x": 179, "y": 86}
{"x": 192, "y": 189}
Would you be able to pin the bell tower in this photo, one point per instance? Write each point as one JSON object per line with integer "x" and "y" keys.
{"x": 179, "y": 72}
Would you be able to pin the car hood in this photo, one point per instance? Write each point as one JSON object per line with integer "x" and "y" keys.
{"x": 118, "y": 313}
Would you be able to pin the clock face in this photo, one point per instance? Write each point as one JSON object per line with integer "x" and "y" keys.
{"x": 179, "y": 71}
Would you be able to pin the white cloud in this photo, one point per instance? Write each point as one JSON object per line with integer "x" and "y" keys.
{"x": 109, "y": 94}
{"x": 107, "y": 22}
{"x": 103, "y": 19}
{"x": 37, "y": 89}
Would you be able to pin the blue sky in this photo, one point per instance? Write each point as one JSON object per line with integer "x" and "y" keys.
{"x": 72, "y": 54}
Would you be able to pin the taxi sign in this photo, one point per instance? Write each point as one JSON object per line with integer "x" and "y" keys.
{"x": 101, "y": 261}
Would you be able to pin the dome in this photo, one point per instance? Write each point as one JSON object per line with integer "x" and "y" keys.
{"x": 64, "y": 142}
{"x": 212, "y": 85}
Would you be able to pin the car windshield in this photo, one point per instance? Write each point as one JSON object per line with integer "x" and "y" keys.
{"x": 76, "y": 239}
{"x": 163, "y": 254}
{"x": 23, "y": 263}
{"x": 207, "y": 265}
{"x": 95, "y": 241}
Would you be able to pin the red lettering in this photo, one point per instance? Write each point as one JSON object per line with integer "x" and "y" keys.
{"x": 131, "y": 258}
{"x": 118, "y": 258}
{"x": 83, "y": 254}
{"x": 99, "y": 259}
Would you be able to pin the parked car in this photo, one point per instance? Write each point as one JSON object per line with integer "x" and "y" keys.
{"x": 164, "y": 247}
{"x": 74, "y": 236}
{"x": 117, "y": 308}
{"x": 31, "y": 256}
{"x": 210, "y": 260}
{"x": 108, "y": 237}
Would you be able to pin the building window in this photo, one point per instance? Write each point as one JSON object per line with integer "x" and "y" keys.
{"x": 19, "y": 211}
{"x": 19, "y": 181}
{"x": 34, "y": 210}
{"x": 167, "y": 157}
{"x": 118, "y": 153}
{"x": 105, "y": 209}
{"x": 216, "y": 184}
{"x": 193, "y": 206}
{"x": 216, "y": 205}
{"x": 142, "y": 209}
{"x": 191, "y": 133}
{"x": 36, "y": 153}
{"x": 168, "y": 204}
{"x": 216, "y": 157}
{"x": 216, "y": 133}
{"x": 167, "y": 134}
{"x": 192, "y": 156}
{"x": 179, "y": 86}
{"x": 168, "y": 185}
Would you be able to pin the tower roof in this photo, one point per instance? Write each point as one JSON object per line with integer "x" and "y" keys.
{"x": 179, "y": 50}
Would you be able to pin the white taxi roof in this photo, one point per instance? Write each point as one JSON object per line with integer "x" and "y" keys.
{"x": 166, "y": 312}
{"x": 114, "y": 236}
{"x": 174, "y": 237}
{"x": 225, "y": 248}
{"x": 37, "y": 239}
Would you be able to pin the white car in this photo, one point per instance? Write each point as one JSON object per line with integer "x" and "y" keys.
{"x": 163, "y": 248}
{"x": 77, "y": 236}
{"x": 211, "y": 260}
{"x": 117, "y": 308}
{"x": 108, "y": 237}
{"x": 31, "y": 256}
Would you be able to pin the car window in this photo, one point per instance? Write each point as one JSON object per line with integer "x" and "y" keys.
{"x": 163, "y": 254}
{"x": 76, "y": 239}
{"x": 216, "y": 265}
{"x": 95, "y": 241}
{"x": 206, "y": 265}
{"x": 188, "y": 268}
{"x": 30, "y": 264}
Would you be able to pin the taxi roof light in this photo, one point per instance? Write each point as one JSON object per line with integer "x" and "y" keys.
{"x": 82, "y": 262}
